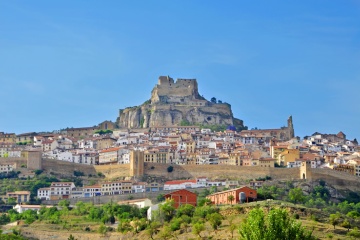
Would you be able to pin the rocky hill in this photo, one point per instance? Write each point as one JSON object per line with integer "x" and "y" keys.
{"x": 175, "y": 103}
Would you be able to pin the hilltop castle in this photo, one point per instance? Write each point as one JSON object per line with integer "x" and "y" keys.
{"x": 173, "y": 103}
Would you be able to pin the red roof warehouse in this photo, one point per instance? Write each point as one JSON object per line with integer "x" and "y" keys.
{"x": 182, "y": 197}
{"x": 222, "y": 197}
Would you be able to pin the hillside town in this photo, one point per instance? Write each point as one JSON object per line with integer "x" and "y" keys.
{"x": 177, "y": 145}
{"x": 187, "y": 145}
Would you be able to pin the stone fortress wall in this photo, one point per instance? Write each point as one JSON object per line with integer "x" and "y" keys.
{"x": 181, "y": 91}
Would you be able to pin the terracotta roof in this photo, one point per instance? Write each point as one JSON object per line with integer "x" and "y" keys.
{"x": 93, "y": 186}
{"x": 110, "y": 150}
{"x": 33, "y": 206}
{"x": 19, "y": 192}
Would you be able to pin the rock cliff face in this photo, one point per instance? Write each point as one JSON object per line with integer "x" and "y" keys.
{"x": 175, "y": 103}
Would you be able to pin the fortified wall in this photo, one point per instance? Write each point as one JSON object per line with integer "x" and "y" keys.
{"x": 181, "y": 91}
{"x": 220, "y": 172}
{"x": 339, "y": 179}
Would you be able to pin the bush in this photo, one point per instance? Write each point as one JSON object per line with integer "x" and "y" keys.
{"x": 160, "y": 197}
{"x": 38, "y": 172}
{"x": 354, "y": 233}
{"x": 170, "y": 169}
{"x": 100, "y": 174}
{"x": 78, "y": 173}
{"x": 175, "y": 224}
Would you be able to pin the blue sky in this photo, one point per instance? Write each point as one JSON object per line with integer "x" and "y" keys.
{"x": 75, "y": 63}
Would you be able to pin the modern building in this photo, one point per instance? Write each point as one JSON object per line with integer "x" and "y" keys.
{"x": 240, "y": 195}
{"x": 182, "y": 197}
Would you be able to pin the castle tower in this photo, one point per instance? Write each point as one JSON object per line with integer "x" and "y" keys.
{"x": 291, "y": 128}
{"x": 34, "y": 159}
{"x": 305, "y": 170}
{"x": 136, "y": 163}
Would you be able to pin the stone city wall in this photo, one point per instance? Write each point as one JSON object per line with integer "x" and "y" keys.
{"x": 220, "y": 171}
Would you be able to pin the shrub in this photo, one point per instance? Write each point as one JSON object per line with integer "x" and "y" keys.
{"x": 354, "y": 233}
{"x": 170, "y": 169}
{"x": 100, "y": 174}
{"x": 175, "y": 224}
{"x": 78, "y": 173}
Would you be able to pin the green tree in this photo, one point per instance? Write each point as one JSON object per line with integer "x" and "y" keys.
{"x": 354, "y": 233}
{"x": 197, "y": 228}
{"x": 215, "y": 220}
{"x": 102, "y": 229}
{"x": 168, "y": 209}
{"x": 160, "y": 197}
{"x": 277, "y": 224}
{"x": 231, "y": 198}
{"x": 346, "y": 224}
{"x": 153, "y": 228}
{"x": 334, "y": 219}
{"x": 296, "y": 195}
{"x": 232, "y": 228}
{"x": 11, "y": 201}
{"x": 165, "y": 233}
{"x": 124, "y": 226}
{"x": 4, "y": 219}
{"x": 186, "y": 209}
{"x": 213, "y": 99}
{"x": 64, "y": 203}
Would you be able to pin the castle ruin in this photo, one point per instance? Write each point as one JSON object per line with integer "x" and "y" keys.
{"x": 173, "y": 103}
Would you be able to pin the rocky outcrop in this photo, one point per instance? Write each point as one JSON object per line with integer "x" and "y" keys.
{"x": 176, "y": 103}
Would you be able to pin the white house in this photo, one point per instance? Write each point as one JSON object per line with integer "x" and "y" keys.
{"x": 122, "y": 141}
{"x": 205, "y": 130}
{"x": 84, "y": 157}
{"x": 60, "y": 190}
{"x": 139, "y": 187}
{"x": 140, "y": 203}
{"x": 59, "y": 154}
{"x": 22, "y": 208}
{"x": 43, "y": 193}
{"x": 49, "y": 145}
{"x": 5, "y": 168}
{"x": 180, "y": 184}
{"x": 91, "y": 191}
{"x": 86, "y": 143}
{"x": 295, "y": 164}
{"x": 216, "y": 183}
{"x": 77, "y": 193}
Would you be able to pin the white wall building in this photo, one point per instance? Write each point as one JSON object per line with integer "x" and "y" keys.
{"x": 43, "y": 193}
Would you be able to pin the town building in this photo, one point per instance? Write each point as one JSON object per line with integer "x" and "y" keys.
{"x": 182, "y": 197}
{"x": 61, "y": 190}
{"x": 240, "y": 195}
{"x": 19, "y": 196}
